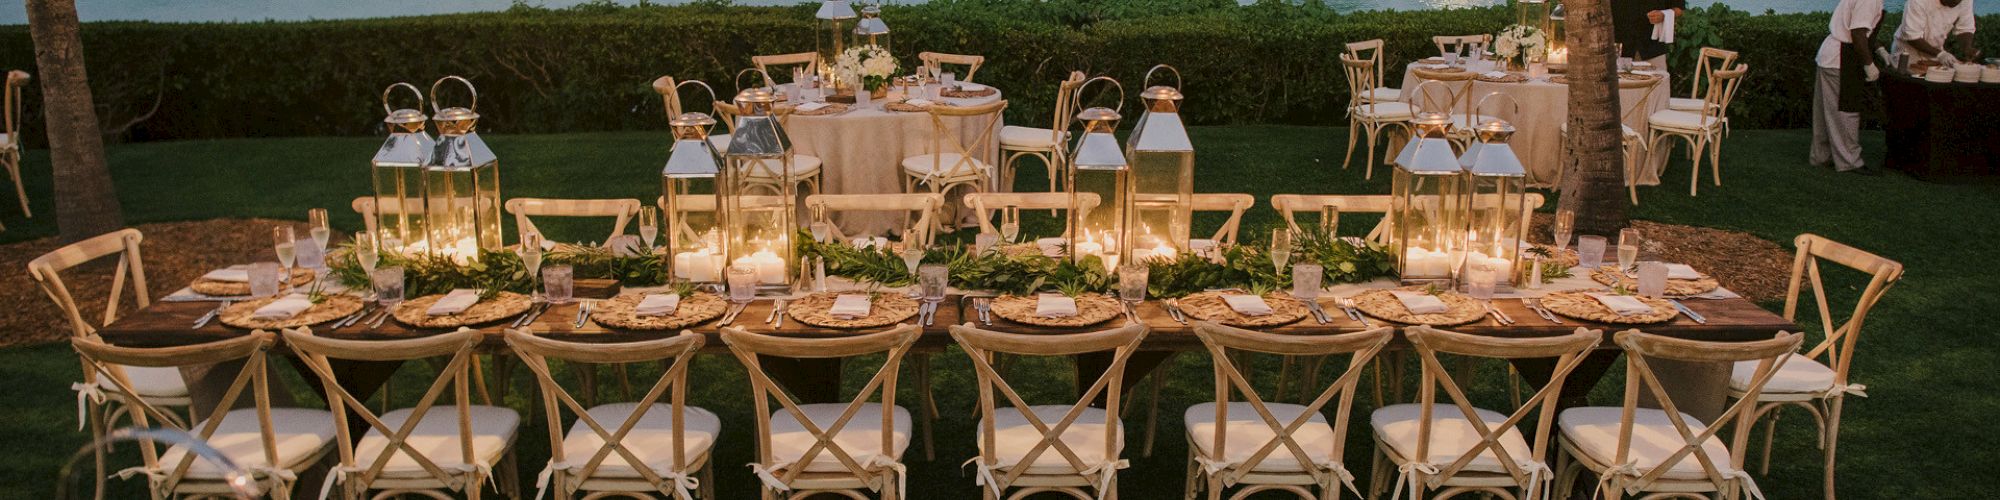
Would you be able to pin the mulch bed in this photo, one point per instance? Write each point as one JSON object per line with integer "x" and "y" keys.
{"x": 1748, "y": 265}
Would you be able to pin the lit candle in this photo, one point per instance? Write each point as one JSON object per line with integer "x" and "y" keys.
{"x": 702, "y": 265}
{"x": 770, "y": 268}
{"x": 1164, "y": 252}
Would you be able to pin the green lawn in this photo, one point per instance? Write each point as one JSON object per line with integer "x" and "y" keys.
{"x": 1919, "y": 435}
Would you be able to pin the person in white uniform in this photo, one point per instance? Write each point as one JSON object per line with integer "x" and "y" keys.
{"x": 1846, "y": 62}
{"x": 1929, "y": 24}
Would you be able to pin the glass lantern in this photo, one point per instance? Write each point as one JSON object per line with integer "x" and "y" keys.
{"x": 1162, "y": 178}
{"x": 398, "y": 174}
{"x": 1554, "y": 31}
{"x": 462, "y": 183}
{"x": 870, "y": 30}
{"x": 836, "y": 20}
{"x": 1531, "y": 12}
{"x": 757, "y": 229}
{"x": 1099, "y": 174}
{"x": 1427, "y": 203}
{"x": 1497, "y": 213}
{"x": 689, "y": 193}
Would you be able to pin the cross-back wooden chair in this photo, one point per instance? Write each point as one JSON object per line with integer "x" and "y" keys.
{"x": 1663, "y": 452}
{"x": 1068, "y": 449}
{"x": 936, "y": 61}
{"x": 1458, "y": 99}
{"x": 1274, "y": 446}
{"x": 1046, "y": 144}
{"x": 1330, "y": 207}
{"x": 271, "y": 445}
{"x": 1458, "y": 446}
{"x": 668, "y": 89}
{"x": 1233, "y": 203}
{"x": 623, "y": 449}
{"x": 1009, "y": 206}
{"x": 1711, "y": 59}
{"x": 1374, "y": 89}
{"x": 413, "y": 451}
{"x": 764, "y": 63}
{"x": 1703, "y": 130}
{"x": 925, "y": 205}
{"x": 620, "y": 211}
{"x": 1633, "y": 142}
{"x": 1818, "y": 380}
{"x": 698, "y": 206}
{"x": 1372, "y": 116}
{"x": 10, "y": 138}
{"x": 1458, "y": 43}
{"x": 806, "y": 449}
{"x": 772, "y": 174}
{"x": 369, "y": 211}
{"x": 951, "y": 162}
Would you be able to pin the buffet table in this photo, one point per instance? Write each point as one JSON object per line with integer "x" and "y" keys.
{"x": 1941, "y": 131}
{"x": 862, "y": 151}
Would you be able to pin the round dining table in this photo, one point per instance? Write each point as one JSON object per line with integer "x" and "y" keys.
{"x": 1544, "y": 108}
{"x": 861, "y": 151}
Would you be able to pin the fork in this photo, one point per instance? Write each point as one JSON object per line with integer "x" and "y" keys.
{"x": 777, "y": 308}
{"x": 583, "y": 312}
{"x": 1318, "y": 314}
{"x": 985, "y": 307}
{"x": 1535, "y": 304}
{"x": 1348, "y": 304}
{"x": 212, "y": 313}
{"x": 1174, "y": 310}
{"x": 778, "y": 313}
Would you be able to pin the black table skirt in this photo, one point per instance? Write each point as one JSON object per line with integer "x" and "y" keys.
{"x": 1942, "y": 131}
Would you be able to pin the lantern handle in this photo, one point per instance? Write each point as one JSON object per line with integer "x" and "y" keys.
{"x": 1148, "y": 80}
{"x": 392, "y": 88}
{"x": 704, "y": 87}
{"x": 1426, "y": 100}
{"x": 1120, "y": 106}
{"x": 468, "y": 88}
{"x": 1481, "y": 107}
{"x": 768, "y": 82}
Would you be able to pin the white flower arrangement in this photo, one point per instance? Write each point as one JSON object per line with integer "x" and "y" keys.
{"x": 871, "y": 65}
{"x": 1518, "y": 42}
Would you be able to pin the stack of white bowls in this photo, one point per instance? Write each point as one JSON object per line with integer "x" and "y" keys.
{"x": 1941, "y": 74}
{"x": 1969, "y": 73}
{"x": 1990, "y": 75}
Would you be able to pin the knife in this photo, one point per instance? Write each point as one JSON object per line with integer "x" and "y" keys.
{"x": 1697, "y": 317}
{"x": 212, "y": 313}
{"x": 351, "y": 318}
{"x": 536, "y": 315}
{"x": 379, "y": 318}
{"x": 730, "y": 316}
{"x": 778, "y": 305}
{"x": 783, "y": 305}
{"x": 1174, "y": 310}
{"x": 1130, "y": 315}
{"x": 1318, "y": 314}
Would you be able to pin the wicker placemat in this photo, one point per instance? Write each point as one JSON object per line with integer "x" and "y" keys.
{"x": 829, "y": 109}
{"x": 884, "y": 310}
{"x": 1636, "y": 77}
{"x": 1510, "y": 77}
{"x": 906, "y": 107}
{"x": 1431, "y": 60}
{"x": 1091, "y": 309}
{"x": 1209, "y": 306}
{"x": 204, "y": 286}
{"x": 329, "y": 308}
{"x": 1559, "y": 79}
{"x": 1567, "y": 258}
{"x": 502, "y": 306}
{"x": 1609, "y": 275}
{"x": 1581, "y": 305}
{"x": 962, "y": 93}
{"x": 695, "y": 309}
{"x": 1385, "y": 305}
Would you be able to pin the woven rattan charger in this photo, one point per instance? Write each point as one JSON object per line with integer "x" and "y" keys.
{"x": 329, "y": 308}
{"x": 884, "y": 309}
{"x": 1091, "y": 309}
{"x": 696, "y": 308}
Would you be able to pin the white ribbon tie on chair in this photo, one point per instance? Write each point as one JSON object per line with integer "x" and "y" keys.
{"x": 1106, "y": 472}
{"x": 1537, "y": 474}
{"x": 769, "y": 480}
{"x": 684, "y": 484}
{"x": 1339, "y": 472}
{"x": 480, "y": 469}
{"x": 86, "y": 393}
{"x": 1404, "y": 473}
{"x": 1612, "y": 474}
{"x": 1749, "y": 485}
{"x": 984, "y": 476}
{"x": 884, "y": 462}
{"x": 336, "y": 475}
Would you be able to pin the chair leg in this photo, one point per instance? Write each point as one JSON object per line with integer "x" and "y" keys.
{"x": 1770, "y": 435}
{"x": 1832, "y": 438}
{"x": 1153, "y": 412}
{"x": 14, "y": 170}
{"x": 1373, "y": 131}
{"x": 1193, "y": 474}
{"x": 1715, "y": 159}
{"x": 1695, "y": 147}
{"x": 926, "y": 403}
{"x": 1353, "y": 132}
{"x": 97, "y": 425}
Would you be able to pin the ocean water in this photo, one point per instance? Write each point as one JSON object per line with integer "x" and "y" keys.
{"x": 12, "y": 12}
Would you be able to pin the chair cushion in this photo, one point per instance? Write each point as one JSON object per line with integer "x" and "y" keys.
{"x": 719, "y": 141}
{"x": 436, "y": 437}
{"x": 1381, "y": 94}
{"x": 651, "y": 440}
{"x": 1685, "y": 104}
{"x": 299, "y": 434}
{"x": 1452, "y": 436}
{"x": 1246, "y": 432}
{"x": 860, "y": 438}
{"x": 1682, "y": 120}
{"x": 1382, "y": 111}
{"x": 943, "y": 164}
{"x": 1013, "y": 436}
{"x": 150, "y": 381}
{"x": 1630, "y": 133}
{"x": 1028, "y": 137}
{"x": 1594, "y": 432}
{"x": 1799, "y": 375}
{"x": 803, "y": 166}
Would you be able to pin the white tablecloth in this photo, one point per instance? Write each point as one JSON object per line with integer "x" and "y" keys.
{"x": 862, "y": 151}
{"x": 1544, "y": 109}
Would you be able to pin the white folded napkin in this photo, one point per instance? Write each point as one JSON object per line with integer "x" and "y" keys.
{"x": 1624, "y": 305}
{"x": 1434, "y": 66}
{"x": 875, "y": 242}
{"x": 229, "y": 275}
{"x": 918, "y": 102}
{"x": 453, "y": 303}
{"x": 970, "y": 87}
{"x": 284, "y": 308}
{"x": 1495, "y": 74}
{"x": 548, "y": 245}
{"x": 1247, "y": 305}
{"x": 849, "y": 306}
{"x": 1682, "y": 272}
{"x": 811, "y": 106}
{"x": 1055, "y": 306}
{"x": 1420, "y": 302}
{"x": 1664, "y": 32}
{"x": 658, "y": 304}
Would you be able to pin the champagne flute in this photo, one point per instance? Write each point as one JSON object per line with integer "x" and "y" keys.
{"x": 1628, "y": 248}
{"x": 1281, "y": 248}
{"x": 285, "y": 242}
{"x": 531, "y": 258}
{"x": 821, "y": 231}
{"x": 649, "y": 226}
{"x": 1564, "y": 226}
{"x": 913, "y": 256}
{"x": 1009, "y": 230}
{"x": 316, "y": 226}
{"x": 367, "y": 254}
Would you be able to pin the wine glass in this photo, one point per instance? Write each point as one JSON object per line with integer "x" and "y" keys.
{"x": 1565, "y": 224}
{"x": 285, "y": 242}
{"x": 367, "y": 254}
{"x": 649, "y": 226}
{"x": 913, "y": 256}
{"x": 316, "y": 226}
{"x": 1628, "y": 248}
{"x": 1009, "y": 230}
{"x": 531, "y": 258}
{"x": 1281, "y": 248}
{"x": 821, "y": 231}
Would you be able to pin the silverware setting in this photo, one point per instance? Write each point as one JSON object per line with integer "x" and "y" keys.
{"x": 777, "y": 306}
{"x": 1497, "y": 315}
{"x": 730, "y": 316}
{"x": 381, "y": 317}
{"x": 1348, "y": 305}
{"x": 212, "y": 313}
{"x": 1683, "y": 308}
{"x": 1174, "y": 310}
{"x": 351, "y": 318}
{"x": 528, "y": 318}
{"x": 985, "y": 307}
{"x": 1318, "y": 313}
{"x": 778, "y": 313}
{"x": 927, "y": 314}
{"x": 1535, "y": 304}
{"x": 583, "y": 312}
{"x": 1130, "y": 314}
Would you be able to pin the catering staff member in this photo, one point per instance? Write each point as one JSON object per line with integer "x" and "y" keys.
{"x": 1846, "y": 62}
{"x": 1645, "y": 28}
{"x": 1928, "y": 24}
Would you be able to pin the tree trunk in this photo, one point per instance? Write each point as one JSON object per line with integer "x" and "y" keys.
{"x": 1594, "y": 175}
{"x": 86, "y": 201}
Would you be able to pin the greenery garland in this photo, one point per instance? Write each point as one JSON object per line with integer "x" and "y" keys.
{"x": 499, "y": 270}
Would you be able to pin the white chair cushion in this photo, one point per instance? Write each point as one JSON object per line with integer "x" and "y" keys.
{"x": 1382, "y": 111}
{"x": 719, "y": 141}
{"x": 436, "y": 437}
{"x": 1013, "y": 436}
{"x": 860, "y": 438}
{"x": 1685, "y": 104}
{"x": 1682, "y": 120}
{"x": 1630, "y": 133}
{"x": 299, "y": 433}
{"x": 1028, "y": 137}
{"x": 651, "y": 440}
{"x": 1594, "y": 432}
{"x": 803, "y": 166}
{"x": 152, "y": 382}
{"x": 1452, "y": 436}
{"x": 1246, "y": 432}
{"x": 1799, "y": 375}
{"x": 1381, "y": 94}
{"x": 942, "y": 164}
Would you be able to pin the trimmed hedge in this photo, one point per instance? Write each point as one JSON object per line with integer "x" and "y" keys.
{"x": 588, "y": 68}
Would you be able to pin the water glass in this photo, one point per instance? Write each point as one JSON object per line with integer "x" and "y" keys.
{"x": 1652, "y": 278}
{"x": 949, "y": 79}
{"x": 388, "y": 285}
{"x": 1132, "y": 281}
{"x": 1480, "y": 281}
{"x": 559, "y": 283}
{"x": 933, "y": 278}
{"x": 742, "y": 281}
{"x": 264, "y": 279}
{"x": 1590, "y": 251}
{"x": 1306, "y": 280}
{"x": 311, "y": 256}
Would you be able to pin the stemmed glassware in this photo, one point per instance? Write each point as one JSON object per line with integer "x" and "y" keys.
{"x": 1628, "y": 248}
{"x": 1010, "y": 225}
{"x": 1565, "y": 225}
{"x": 531, "y": 258}
{"x": 913, "y": 256}
{"x": 367, "y": 254}
{"x": 286, "y": 243}
{"x": 1281, "y": 248}
{"x": 649, "y": 226}
{"x": 317, "y": 227}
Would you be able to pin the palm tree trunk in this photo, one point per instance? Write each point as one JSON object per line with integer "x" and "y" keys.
{"x": 1594, "y": 175}
{"x": 86, "y": 201}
